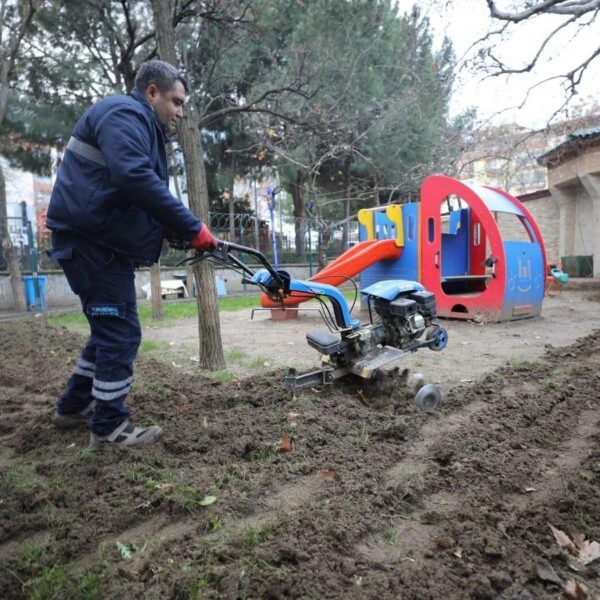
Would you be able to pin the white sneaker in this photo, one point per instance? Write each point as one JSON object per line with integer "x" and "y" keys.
{"x": 127, "y": 435}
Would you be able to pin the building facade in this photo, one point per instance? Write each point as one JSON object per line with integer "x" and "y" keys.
{"x": 554, "y": 172}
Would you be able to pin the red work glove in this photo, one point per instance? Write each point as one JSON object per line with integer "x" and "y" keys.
{"x": 205, "y": 240}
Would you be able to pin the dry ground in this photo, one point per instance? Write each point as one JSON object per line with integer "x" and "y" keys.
{"x": 340, "y": 492}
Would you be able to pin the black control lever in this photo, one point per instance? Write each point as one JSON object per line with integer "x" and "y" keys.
{"x": 223, "y": 254}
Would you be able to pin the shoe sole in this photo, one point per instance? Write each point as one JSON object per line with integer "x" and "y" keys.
{"x": 96, "y": 444}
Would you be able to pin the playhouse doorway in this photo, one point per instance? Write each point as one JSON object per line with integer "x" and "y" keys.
{"x": 464, "y": 247}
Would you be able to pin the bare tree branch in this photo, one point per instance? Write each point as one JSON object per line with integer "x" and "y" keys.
{"x": 556, "y": 7}
{"x": 504, "y": 69}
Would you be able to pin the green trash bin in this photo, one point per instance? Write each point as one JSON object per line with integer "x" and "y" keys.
{"x": 34, "y": 303}
{"x": 578, "y": 266}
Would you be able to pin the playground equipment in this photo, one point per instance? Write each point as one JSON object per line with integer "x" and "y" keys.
{"x": 478, "y": 249}
{"x": 486, "y": 257}
{"x": 556, "y": 278}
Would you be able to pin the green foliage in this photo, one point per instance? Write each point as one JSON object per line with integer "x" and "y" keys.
{"x": 74, "y": 53}
{"x": 339, "y": 98}
{"x": 381, "y": 105}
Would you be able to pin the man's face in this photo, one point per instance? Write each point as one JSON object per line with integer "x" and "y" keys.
{"x": 168, "y": 106}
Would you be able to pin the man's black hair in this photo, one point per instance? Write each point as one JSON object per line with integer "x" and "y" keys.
{"x": 163, "y": 75}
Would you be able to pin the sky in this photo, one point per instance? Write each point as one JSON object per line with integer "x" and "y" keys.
{"x": 497, "y": 99}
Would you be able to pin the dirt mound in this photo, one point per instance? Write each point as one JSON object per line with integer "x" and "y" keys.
{"x": 344, "y": 491}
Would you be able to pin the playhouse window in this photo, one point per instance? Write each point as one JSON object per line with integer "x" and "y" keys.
{"x": 513, "y": 227}
{"x": 430, "y": 230}
{"x": 412, "y": 228}
{"x": 477, "y": 234}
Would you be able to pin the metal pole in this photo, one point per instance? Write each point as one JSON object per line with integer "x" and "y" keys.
{"x": 309, "y": 249}
{"x": 33, "y": 263}
{"x": 257, "y": 244}
{"x": 243, "y": 259}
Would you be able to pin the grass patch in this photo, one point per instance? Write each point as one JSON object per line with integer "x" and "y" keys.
{"x": 172, "y": 311}
{"x": 235, "y": 355}
{"x": 518, "y": 363}
{"x": 59, "y": 581}
{"x": 150, "y": 346}
{"x": 391, "y": 535}
{"x": 223, "y": 376}
{"x": 259, "y": 361}
{"x": 253, "y": 536}
{"x": 265, "y": 453}
{"x": 23, "y": 478}
{"x": 182, "y": 309}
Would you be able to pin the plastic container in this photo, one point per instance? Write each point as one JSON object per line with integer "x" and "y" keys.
{"x": 33, "y": 303}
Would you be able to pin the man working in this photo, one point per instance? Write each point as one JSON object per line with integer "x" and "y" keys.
{"x": 109, "y": 211}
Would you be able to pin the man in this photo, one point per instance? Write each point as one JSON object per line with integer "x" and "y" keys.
{"x": 109, "y": 212}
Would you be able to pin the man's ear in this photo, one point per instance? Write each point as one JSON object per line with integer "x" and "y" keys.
{"x": 151, "y": 93}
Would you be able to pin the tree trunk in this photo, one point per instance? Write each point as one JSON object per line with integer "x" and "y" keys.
{"x": 324, "y": 239}
{"x": 10, "y": 254}
{"x": 189, "y": 271}
{"x": 209, "y": 327}
{"x": 155, "y": 295}
{"x": 297, "y": 190}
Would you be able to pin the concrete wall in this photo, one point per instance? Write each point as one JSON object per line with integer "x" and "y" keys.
{"x": 575, "y": 185}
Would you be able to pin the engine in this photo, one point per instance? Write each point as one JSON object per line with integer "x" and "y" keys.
{"x": 406, "y": 317}
{"x": 404, "y": 321}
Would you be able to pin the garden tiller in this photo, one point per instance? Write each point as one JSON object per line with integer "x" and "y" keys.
{"x": 402, "y": 319}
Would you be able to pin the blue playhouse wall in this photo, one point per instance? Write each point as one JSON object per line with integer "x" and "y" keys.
{"x": 455, "y": 244}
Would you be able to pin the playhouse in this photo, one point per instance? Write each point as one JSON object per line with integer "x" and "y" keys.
{"x": 476, "y": 248}
{"x": 484, "y": 259}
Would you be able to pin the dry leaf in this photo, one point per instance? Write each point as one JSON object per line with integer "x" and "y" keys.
{"x": 589, "y": 552}
{"x": 563, "y": 540}
{"x": 164, "y": 486}
{"x": 207, "y": 500}
{"x": 286, "y": 444}
{"x": 331, "y": 475}
{"x": 183, "y": 408}
{"x": 578, "y": 539}
{"x": 575, "y": 590}
{"x": 546, "y": 573}
{"x": 458, "y": 552}
{"x": 530, "y": 489}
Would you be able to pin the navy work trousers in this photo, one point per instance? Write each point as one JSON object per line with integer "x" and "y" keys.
{"x": 105, "y": 283}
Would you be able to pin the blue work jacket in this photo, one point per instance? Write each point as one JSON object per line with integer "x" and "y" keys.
{"x": 125, "y": 204}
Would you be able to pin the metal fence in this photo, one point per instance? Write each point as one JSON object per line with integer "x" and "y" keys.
{"x": 320, "y": 242}
{"x": 318, "y": 236}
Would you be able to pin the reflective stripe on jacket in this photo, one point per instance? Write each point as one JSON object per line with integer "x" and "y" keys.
{"x": 125, "y": 204}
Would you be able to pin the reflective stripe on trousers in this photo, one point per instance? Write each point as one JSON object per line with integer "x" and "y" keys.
{"x": 105, "y": 284}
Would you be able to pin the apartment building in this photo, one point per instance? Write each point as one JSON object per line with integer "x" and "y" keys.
{"x": 522, "y": 162}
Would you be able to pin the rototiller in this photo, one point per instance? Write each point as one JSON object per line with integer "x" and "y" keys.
{"x": 402, "y": 319}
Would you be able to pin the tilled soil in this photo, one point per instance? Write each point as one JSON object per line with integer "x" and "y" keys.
{"x": 340, "y": 492}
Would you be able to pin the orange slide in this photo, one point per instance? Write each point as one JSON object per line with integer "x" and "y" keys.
{"x": 346, "y": 266}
